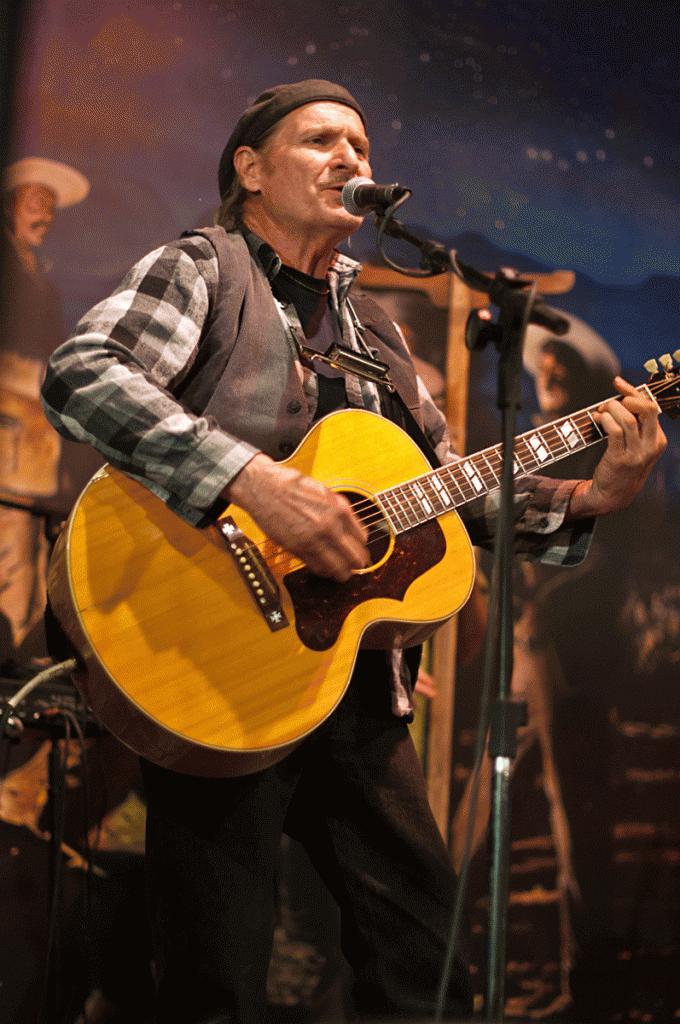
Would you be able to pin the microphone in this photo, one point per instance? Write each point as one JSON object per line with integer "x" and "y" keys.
{"x": 361, "y": 195}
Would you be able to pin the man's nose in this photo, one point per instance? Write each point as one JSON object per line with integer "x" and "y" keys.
{"x": 345, "y": 155}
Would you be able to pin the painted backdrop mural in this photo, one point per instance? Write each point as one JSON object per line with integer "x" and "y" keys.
{"x": 538, "y": 135}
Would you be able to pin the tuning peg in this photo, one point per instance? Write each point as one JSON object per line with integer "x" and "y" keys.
{"x": 651, "y": 366}
{"x": 666, "y": 361}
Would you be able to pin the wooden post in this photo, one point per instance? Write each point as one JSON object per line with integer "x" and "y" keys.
{"x": 445, "y": 641}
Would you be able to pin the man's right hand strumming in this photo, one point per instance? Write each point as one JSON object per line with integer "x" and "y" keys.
{"x": 302, "y": 516}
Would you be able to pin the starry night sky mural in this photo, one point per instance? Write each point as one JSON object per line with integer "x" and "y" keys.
{"x": 535, "y": 134}
{"x": 550, "y": 129}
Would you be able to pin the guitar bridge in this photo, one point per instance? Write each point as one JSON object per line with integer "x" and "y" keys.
{"x": 254, "y": 573}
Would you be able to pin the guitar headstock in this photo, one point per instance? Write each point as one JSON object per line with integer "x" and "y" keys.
{"x": 664, "y": 382}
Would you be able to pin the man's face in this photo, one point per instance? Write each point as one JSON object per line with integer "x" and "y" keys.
{"x": 33, "y": 214}
{"x": 300, "y": 171}
{"x": 552, "y": 383}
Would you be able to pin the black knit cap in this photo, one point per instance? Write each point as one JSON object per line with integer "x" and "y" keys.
{"x": 271, "y": 106}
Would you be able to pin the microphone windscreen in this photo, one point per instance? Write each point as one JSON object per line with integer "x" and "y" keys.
{"x": 347, "y": 195}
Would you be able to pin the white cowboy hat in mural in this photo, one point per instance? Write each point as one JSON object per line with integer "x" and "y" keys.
{"x": 592, "y": 348}
{"x": 68, "y": 185}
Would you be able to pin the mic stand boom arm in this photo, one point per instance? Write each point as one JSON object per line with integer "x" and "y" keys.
{"x": 436, "y": 259}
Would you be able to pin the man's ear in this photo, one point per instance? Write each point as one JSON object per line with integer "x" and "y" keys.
{"x": 247, "y": 164}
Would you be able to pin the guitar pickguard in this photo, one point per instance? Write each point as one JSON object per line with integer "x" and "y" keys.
{"x": 322, "y": 605}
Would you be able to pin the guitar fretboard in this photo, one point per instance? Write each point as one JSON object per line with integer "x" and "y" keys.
{"x": 441, "y": 490}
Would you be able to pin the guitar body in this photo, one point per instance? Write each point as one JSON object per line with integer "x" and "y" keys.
{"x": 175, "y": 657}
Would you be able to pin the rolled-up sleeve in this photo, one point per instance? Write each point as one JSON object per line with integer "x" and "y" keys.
{"x": 110, "y": 385}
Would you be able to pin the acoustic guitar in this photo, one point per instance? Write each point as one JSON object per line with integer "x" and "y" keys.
{"x": 213, "y": 651}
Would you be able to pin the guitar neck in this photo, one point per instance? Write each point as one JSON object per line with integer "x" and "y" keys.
{"x": 452, "y": 486}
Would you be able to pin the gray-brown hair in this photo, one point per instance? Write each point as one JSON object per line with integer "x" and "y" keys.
{"x": 230, "y": 212}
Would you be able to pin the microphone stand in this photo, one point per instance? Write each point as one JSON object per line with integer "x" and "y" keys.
{"x": 518, "y": 305}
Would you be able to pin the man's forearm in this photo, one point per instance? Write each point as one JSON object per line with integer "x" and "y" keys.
{"x": 580, "y": 506}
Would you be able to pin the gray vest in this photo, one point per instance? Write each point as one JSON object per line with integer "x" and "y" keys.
{"x": 247, "y": 375}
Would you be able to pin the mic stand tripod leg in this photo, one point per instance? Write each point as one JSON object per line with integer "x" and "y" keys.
{"x": 507, "y": 717}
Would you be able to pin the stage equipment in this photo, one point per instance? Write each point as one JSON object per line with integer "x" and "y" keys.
{"x": 49, "y": 701}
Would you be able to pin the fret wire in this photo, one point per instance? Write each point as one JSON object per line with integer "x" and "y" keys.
{"x": 414, "y": 509}
{"x": 445, "y": 476}
{"x": 552, "y": 429}
{"x": 454, "y": 471}
{"x": 402, "y": 514}
{"x": 588, "y": 428}
{"x": 439, "y": 494}
{"x": 491, "y": 469}
{"x": 474, "y": 478}
{"x": 516, "y": 455}
{"x": 561, "y": 440}
{"x": 498, "y": 462}
{"x": 424, "y": 498}
{"x": 434, "y": 495}
{"x": 414, "y": 503}
{"x": 404, "y": 511}
{"x": 594, "y": 428}
{"x": 442, "y": 490}
{"x": 584, "y": 425}
{"x": 541, "y": 448}
{"x": 565, "y": 437}
{"x": 402, "y": 507}
{"x": 389, "y": 500}
{"x": 493, "y": 457}
{"x": 528, "y": 455}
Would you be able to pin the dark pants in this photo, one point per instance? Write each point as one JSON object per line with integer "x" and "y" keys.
{"x": 353, "y": 795}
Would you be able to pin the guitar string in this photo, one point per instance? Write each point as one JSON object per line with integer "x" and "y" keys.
{"x": 372, "y": 516}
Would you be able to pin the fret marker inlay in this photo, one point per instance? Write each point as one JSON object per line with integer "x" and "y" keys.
{"x": 444, "y": 495}
{"x": 420, "y": 495}
{"x": 569, "y": 433}
{"x": 473, "y": 476}
{"x": 540, "y": 450}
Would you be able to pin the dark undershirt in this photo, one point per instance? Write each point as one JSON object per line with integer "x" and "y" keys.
{"x": 310, "y": 295}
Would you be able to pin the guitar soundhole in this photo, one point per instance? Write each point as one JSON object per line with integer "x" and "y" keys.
{"x": 371, "y": 515}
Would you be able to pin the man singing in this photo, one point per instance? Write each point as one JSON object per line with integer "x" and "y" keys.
{"x": 192, "y": 378}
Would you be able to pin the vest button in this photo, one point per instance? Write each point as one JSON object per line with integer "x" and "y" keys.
{"x": 294, "y": 406}
{"x": 286, "y": 447}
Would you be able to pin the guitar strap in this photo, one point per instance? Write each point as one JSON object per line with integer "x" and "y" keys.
{"x": 392, "y": 403}
{"x": 411, "y": 426}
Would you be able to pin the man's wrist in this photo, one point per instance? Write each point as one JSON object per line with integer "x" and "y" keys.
{"x": 580, "y": 504}
{"x": 241, "y": 483}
